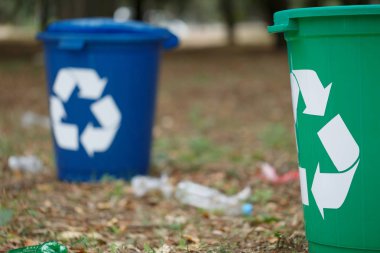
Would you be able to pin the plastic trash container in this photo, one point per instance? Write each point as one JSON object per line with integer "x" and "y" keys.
{"x": 334, "y": 64}
{"x": 102, "y": 82}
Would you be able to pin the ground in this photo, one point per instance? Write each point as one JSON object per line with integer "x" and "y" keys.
{"x": 221, "y": 113}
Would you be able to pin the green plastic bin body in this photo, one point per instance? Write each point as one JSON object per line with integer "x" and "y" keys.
{"x": 334, "y": 59}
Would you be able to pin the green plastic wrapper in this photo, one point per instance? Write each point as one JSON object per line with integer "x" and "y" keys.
{"x": 47, "y": 247}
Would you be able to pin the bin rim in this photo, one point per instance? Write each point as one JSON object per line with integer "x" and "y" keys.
{"x": 284, "y": 21}
{"x": 107, "y": 29}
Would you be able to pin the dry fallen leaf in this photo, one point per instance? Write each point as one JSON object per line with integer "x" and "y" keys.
{"x": 29, "y": 242}
{"x": 103, "y": 205}
{"x": 78, "y": 210}
{"x": 191, "y": 238}
{"x": 69, "y": 235}
{"x": 273, "y": 240}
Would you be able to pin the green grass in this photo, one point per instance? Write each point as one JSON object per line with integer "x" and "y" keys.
{"x": 148, "y": 248}
{"x": 261, "y": 196}
{"x": 6, "y": 216}
{"x": 276, "y": 136}
{"x": 199, "y": 122}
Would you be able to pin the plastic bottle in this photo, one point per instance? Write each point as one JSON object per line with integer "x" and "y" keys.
{"x": 31, "y": 119}
{"x": 211, "y": 199}
{"x": 25, "y": 163}
{"x": 47, "y": 247}
{"x": 141, "y": 185}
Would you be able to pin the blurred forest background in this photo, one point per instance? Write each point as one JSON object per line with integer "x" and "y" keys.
{"x": 197, "y": 22}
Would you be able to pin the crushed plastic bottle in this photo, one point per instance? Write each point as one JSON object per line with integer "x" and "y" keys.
{"x": 141, "y": 185}
{"x": 31, "y": 119}
{"x": 47, "y": 247}
{"x": 28, "y": 163}
{"x": 211, "y": 199}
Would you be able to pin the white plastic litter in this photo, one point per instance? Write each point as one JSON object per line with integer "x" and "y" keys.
{"x": 269, "y": 172}
{"x": 141, "y": 185}
{"x": 211, "y": 199}
{"x": 31, "y": 119}
{"x": 25, "y": 164}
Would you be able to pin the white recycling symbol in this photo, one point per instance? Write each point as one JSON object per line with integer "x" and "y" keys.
{"x": 91, "y": 86}
{"x": 329, "y": 189}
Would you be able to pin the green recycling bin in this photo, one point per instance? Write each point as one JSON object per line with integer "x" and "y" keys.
{"x": 334, "y": 59}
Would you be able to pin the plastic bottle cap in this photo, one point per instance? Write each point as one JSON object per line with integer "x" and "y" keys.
{"x": 247, "y": 209}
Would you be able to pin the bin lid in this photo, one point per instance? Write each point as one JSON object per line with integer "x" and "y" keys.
{"x": 283, "y": 19}
{"x": 97, "y": 28}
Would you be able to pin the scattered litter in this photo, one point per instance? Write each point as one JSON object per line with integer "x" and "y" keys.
{"x": 141, "y": 185}
{"x": 247, "y": 209}
{"x": 28, "y": 163}
{"x": 195, "y": 195}
{"x": 31, "y": 119}
{"x": 269, "y": 173}
{"x": 47, "y": 247}
{"x": 289, "y": 176}
{"x": 180, "y": 220}
{"x": 164, "y": 249}
{"x": 211, "y": 199}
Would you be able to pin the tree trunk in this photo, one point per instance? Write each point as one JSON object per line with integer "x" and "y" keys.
{"x": 272, "y": 6}
{"x": 85, "y": 8}
{"x": 313, "y": 3}
{"x": 100, "y": 8}
{"x": 43, "y": 14}
{"x": 70, "y": 9}
{"x": 228, "y": 13}
{"x": 355, "y": 2}
{"x": 139, "y": 9}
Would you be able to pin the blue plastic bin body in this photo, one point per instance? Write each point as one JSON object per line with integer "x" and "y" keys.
{"x": 102, "y": 82}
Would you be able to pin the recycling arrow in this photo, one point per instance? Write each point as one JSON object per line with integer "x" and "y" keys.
{"x": 295, "y": 94}
{"x": 339, "y": 143}
{"x": 91, "y": 86}
{"x": 329, "y": 189}
{"x": 313, "y": 92}
{"x": 99, "y": 139}
{"x": 66, "y": 135}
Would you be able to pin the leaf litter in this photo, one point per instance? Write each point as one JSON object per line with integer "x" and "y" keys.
{"x": 220, "y": 144}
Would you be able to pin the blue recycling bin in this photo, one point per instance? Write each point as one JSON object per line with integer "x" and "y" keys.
{"x": 102, "y": 81}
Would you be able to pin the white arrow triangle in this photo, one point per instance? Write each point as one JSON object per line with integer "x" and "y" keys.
{"x": 91, "y": 86}
{"x": 106, "y": 112}
{"x": 96, "y": 139}
{"x": 303, "y": 186}
{"x": 65, "y": 135}
{"x": 64, "y": 84}
{"x": 295, "y": 94}
{"x": 339, "y": 143}
{"x": 330, "y": 189}
{"x": 57, "y": 110}
{"x": 313, "y": 92}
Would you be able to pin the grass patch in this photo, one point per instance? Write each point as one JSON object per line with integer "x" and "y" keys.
{"x": 276, "y": 136}
{"x": 6, "y": 216}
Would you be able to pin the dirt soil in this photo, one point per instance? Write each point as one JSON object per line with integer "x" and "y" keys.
{"x": 221, "y": 113}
